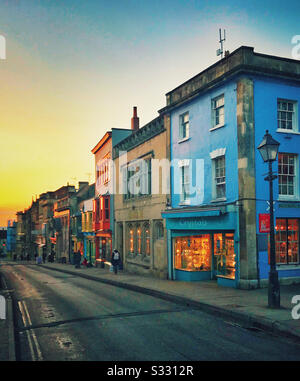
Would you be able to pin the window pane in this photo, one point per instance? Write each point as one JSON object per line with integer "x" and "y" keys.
{"x": 280, "y": 240}
{"x": 293, "y": 241}
{"x": 286, "y": 174}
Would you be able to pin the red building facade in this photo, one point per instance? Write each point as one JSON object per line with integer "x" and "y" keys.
{"x": 102, "y": 225}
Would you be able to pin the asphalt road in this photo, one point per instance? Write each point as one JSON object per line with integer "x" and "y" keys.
{"x": 62, "y": 317}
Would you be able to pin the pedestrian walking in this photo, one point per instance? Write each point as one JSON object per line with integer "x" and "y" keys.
{"x": 51, "y": 256}
{"x": 77, "y": 259}
{"x": 115, "y": 260}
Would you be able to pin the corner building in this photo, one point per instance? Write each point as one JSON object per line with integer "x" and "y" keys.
{"x": 218, "y": 192}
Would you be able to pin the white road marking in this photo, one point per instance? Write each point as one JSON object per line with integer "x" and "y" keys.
{"x": 32, "y": 340}
{"x": 40, "y": 357}
{"x": 27, "y": 332}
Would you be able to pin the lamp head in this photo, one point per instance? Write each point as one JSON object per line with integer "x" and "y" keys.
{"x": 268, "y": 148}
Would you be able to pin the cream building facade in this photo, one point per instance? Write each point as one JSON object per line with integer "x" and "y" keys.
{"x": 140, "y": 233}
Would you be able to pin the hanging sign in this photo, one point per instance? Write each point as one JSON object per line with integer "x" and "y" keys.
{"x": 264, "y": 223}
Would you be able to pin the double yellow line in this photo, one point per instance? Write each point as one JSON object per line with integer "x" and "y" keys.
{"x": 35, "y": 349}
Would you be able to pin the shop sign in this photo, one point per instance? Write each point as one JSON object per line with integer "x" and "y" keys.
{"x": 264, "y": 223}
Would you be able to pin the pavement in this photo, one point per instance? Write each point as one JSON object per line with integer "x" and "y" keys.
{"x": 7, "y": 336}
{"x": 248, "y": 308}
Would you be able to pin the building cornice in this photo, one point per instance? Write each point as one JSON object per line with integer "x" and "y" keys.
{"x": 102, "y": 141}
{"x": 243, "y": 60}
{"x": 153, "y": 128}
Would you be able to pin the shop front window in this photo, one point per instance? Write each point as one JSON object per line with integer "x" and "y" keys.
{"x": 139, "y": 240}
{"x": 287, "y": 240}
{"x": 224, "y": 256}
{"x": 193, "y": 253}
{"x": 131, "y": 239}
{"x": 147, "y": 239}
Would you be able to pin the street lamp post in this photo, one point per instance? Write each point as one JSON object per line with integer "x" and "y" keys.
{"x": 268, "y": 149}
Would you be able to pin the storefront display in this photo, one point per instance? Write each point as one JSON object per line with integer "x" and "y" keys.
{"x": 193, "y": 253}
{"x": 287, "y": 240}
{"x": 224, "y": 256}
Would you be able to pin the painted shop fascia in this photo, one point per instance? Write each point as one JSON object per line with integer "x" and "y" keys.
{"x": 202, "y": 229}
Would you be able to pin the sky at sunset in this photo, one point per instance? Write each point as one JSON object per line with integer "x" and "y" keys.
{"x": 75, "y": 68}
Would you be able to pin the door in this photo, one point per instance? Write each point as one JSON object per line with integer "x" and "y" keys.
{"x": 224, "y": 256}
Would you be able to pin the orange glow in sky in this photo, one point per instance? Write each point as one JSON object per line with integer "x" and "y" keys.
{"x": 74, "y": 70}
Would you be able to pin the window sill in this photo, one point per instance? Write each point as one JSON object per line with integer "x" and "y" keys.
{"x": 288, "y": 198}
{"x": 184, "y": 203}
{"x": 217, "y": 127}
{"x": 284, "y": 266}
{"x": 288, "y": 131}
{"x": 219, "y": 200}
{"x": 137, "y": 198}
{"x": 183, "y": 140}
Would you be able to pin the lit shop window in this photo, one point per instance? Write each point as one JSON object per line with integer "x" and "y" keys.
{"x": 193, "y": 253}
{"x": 287, "y": 240}
{"x": 131, "y": 234}
{"x": 139, "y": 240}
{"x": 147, "y": 239}
{"x": 224, "y": 256}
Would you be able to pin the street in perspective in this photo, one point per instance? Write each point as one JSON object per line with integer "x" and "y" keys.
{"x": 64, "y": 315}
{"x": 150, "y": 194}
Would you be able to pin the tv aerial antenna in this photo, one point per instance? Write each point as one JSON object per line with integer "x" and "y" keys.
{"x": 221, "y": 51}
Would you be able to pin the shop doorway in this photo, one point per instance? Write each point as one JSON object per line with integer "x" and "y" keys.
{"x": 224, "y": 256}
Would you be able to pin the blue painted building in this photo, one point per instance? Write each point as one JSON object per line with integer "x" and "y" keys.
{"x": 217, "y": 119}
{"x": 277, "y": 102}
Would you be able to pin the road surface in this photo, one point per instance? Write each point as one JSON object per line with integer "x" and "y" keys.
{"x": 61, "y": 317}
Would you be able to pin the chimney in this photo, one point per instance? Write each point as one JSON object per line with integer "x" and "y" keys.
{"x": 135, "y": 122}
{"x": 82, "y": 184}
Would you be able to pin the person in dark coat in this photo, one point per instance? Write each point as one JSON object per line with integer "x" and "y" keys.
{"x": 77, "y": 259}
{"x": 51, "y": 257}
{"x": 115, "y": 260}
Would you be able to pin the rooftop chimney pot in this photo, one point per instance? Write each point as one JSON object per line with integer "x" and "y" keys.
{"x": 135, "y": 121}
